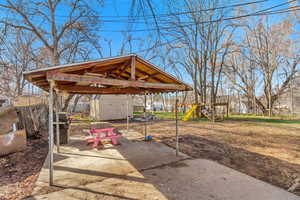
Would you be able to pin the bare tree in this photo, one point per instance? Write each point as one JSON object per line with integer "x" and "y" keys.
{"x": 266, "y": 50}
{"x": 41, "y": 19}
{"x": 59, "y": 36}
{"x": 201, "y": 47}
{"x": 16, "y": 57}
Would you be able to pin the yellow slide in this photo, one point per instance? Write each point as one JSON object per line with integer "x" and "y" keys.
{"x": 188, "y": 115}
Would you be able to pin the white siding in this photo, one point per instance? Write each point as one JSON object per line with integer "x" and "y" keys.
{"x": 111, "y": 107}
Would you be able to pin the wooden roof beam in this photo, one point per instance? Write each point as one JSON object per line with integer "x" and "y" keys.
{"x": 147, "y": 77}
{"x": 144, "y": 74}
{"x": 97, "y": 90}
{"x": 40, "y": 81}
{"x": 150, "y": 75}
{"x": 123, "y": 76}
{"x": 143, "y": 77}
{"x": 133, "y": 66}
{"x": 113, "y": 82}
{"x": 122, "y": 70}
{"x": 110, "y": 90}
{"x": 94, "y": 74}
{"x": 39, "y": 78}
{"x": 102, "y": 69}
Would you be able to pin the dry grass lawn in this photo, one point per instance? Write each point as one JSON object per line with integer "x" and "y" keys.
{"x": 267, "y": 151}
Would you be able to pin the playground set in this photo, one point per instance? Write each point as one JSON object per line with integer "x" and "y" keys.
{"x": 205, "y": 110}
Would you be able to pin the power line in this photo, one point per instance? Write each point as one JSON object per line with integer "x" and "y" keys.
{"x": 186, "y": 24}
{"x": 159, "y": 45}
{"x": 257, "y": 13}
{"x": 131, "y": 18}
{"x": 279, "y": 5}
{"x": 165, "y": 21}
{"x": 177, "y": 39}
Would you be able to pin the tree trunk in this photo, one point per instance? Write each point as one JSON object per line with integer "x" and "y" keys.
{"x": 66, "y": 103}
{"x": 76, "y": 102}
{"x": 213, "y": 95}
{"x": 270, "y": 99}
{"x": 164, "y": 103}
{"x": 33, "y": 119}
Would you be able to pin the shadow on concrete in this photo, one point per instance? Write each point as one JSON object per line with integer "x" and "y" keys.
{"x": 98, "y": 173}
{"x": 140, "y": 155}
{"x": 89, "y": 190}
{"x": 92, "y": 156}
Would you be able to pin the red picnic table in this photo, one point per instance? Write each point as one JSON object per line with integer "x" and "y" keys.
{"x": 102, "y": 134}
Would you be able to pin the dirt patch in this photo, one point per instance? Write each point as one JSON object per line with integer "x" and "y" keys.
{"x": 269, "y": 152}
{"x": 19, "y": 171}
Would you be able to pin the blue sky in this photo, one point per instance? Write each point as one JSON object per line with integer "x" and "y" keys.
{"x": 121, "y": 8}
{"x": 117, "y": 8}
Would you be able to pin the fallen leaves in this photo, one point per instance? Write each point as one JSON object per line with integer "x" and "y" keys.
{"x": 19, "y": 171}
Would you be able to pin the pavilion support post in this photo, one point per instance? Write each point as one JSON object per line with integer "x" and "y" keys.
{"x": 51, "y": 133}
{"x": 227, "y": 110}
{"x": 176, "y": 121}
{"x": 145, "y": 116}
{"x": 57, "y": 122}
{"x": 127, "y": 114}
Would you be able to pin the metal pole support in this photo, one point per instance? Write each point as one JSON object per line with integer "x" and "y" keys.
{"x": 127, "y": 115}
{"x": 51, "y": 133}
{"x": 57, "y": 122}
{"x": 145, "y": 106}
{"x": 176, "y": 120}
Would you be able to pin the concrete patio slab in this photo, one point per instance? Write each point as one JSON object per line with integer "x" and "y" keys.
{"x": 79, "y": 164}
{"x": 203, "y": 179}
{"x": 148, "y": 171}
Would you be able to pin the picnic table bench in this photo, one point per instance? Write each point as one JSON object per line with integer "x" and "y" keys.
{"x": 102, "y": 134}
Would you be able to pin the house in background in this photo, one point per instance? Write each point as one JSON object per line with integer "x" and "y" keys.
{"x": 153, "y": 103}
{"x": 111, "y": 107}
{"x": 289, "y": 101}
{"x": 3, "y": 100}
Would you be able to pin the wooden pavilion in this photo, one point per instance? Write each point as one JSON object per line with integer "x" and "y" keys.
{"x": 117, "y": 75}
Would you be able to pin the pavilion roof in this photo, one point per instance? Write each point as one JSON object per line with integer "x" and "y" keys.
{"x": 116, "y": 75}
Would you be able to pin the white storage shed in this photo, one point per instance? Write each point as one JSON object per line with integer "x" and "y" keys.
{"x": 111, "y": 107}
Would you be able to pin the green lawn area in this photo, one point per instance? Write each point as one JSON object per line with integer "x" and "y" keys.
{"x": 161, "y": 115}
{"x": 168, "y": 115}
{"x": 241, "y": 117}
{"x": 258, "y": 118}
